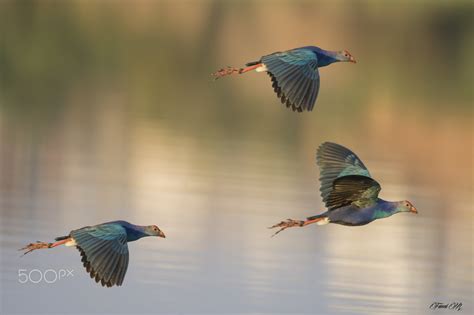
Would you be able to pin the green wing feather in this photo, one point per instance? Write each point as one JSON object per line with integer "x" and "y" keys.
{"x": 104, "y": 252}
{"x": 357, "y": 190}
{"x": 336, "y": 161}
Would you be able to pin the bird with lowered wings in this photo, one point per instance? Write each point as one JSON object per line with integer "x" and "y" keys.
{"x": 294, "y": 73}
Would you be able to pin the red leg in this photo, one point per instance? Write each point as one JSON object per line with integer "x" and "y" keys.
{"x": 312, "y": 221}
{"x": 250, "y": 68}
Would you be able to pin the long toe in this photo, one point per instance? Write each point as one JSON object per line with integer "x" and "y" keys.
{"x": 33, "y": 246}
{"x": 286, "y": 224}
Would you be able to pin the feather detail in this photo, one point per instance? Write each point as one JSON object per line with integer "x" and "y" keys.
{"x": 294, "y": 74}
{"x": 357, "y": 190}
{"x": 336, "y": 161}
{"x": 103, "y": 248}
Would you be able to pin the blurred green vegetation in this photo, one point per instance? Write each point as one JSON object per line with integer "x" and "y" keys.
{"x": 156, "y": 56}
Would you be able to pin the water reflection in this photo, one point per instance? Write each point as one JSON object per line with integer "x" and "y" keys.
{"x": 218, "y": 247}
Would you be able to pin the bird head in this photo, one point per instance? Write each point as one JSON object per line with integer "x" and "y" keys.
{"x": 345, "y": 56}
{"x": 406, "y": 206}
{"x": 153, "y": 230}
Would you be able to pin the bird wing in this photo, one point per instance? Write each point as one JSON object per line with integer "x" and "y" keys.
{"x": 295, "y": 77}
{"x": 104, "y": 252}
{"x": 335, "y": 161}
{"x": 360, "y": 191}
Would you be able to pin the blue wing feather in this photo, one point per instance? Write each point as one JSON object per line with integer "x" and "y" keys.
{"x": 295, "y": 77}
{"x": 104, "y": 252}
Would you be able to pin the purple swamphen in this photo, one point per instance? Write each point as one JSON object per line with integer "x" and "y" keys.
{"x": 103, "y": 248}
{"x": 348, "y": 191}
{"x": 294, "y": 73}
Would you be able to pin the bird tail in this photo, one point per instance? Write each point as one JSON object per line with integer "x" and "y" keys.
{"x": 314, "y": 217}
{"x": 253, "y": 63}
{"x": 60, "y": 238}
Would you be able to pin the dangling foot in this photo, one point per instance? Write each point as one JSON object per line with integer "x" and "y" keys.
{"x": 40, "y": 245}
{"x": 231, "y": 70}
{"x": 287, "y": 224}
{"x": 33, "y": 246}
{"x": 225, "y": 71}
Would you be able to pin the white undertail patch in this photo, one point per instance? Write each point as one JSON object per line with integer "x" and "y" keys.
{"x": 323, "y": 221}
{"x": 72, "y": 242}
{"x": 262, "y": 68}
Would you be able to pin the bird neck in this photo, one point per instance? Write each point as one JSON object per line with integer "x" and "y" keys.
{"x": 385, "y": 209}
{"x": 326, "y": 57}
{"x": 135, "y": 232}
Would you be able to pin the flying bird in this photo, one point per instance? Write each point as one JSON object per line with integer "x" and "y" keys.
{"x": 348, "y": 191}
{"x": 294, "y": 73}
{"x": 103, "y": 248}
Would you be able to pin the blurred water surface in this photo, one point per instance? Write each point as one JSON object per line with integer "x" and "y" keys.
{"x": 108, "y": 112}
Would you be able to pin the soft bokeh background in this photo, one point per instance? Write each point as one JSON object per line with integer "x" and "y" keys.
{"x": 107, "y": 111}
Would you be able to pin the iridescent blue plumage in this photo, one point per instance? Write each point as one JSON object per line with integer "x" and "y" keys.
{"x": 326, "y": 57}
{"x": 295, "y": 77}
{"x": 353, "y": 215}
{"x": 294, "y": 73}
{"x": 103, "y": 248}
{"x": 348, "y": 191}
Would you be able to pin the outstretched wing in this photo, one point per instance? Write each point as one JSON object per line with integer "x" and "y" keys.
{"x": 336, "y": 161}
{"x": 357, "y": 190}
{"x": 104, "y": 252}
{"x": 295, "y": 77}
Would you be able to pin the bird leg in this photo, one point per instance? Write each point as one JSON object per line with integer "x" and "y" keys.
{"x": 231, "y": 70}
{"x": 291, "y": 223}
{"x": 283, "y": 225}
{"x": 40, "y": 245}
